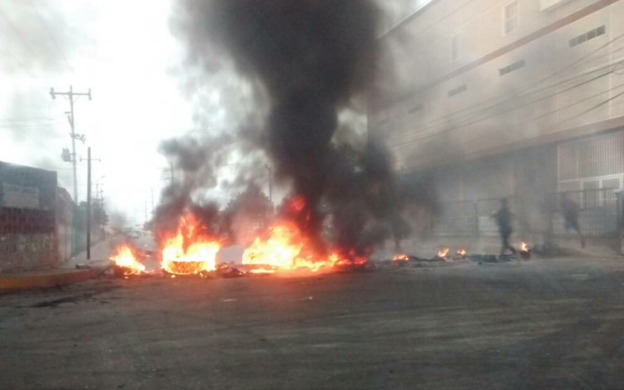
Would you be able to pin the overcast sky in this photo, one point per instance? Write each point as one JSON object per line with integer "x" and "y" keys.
{"x": 124, "y": 51}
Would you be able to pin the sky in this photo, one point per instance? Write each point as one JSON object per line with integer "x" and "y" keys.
{"x": 124, "y": 51}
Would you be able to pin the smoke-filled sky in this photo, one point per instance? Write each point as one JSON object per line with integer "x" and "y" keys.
{"x": 126, "y": 53}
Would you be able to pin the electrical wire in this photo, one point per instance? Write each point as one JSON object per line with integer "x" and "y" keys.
{"x": 523, "y": 90}
{"x": 515, "y": 108}
{"x": 522, "y": 124}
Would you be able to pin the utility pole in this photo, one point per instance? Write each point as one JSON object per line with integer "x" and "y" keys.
{"x": 89, "y": 159}
{"x": 72, "y": 97}
{"x": 152, "y": 191}
{"x": 89, "y": 203}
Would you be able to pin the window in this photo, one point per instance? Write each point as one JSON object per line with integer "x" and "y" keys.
{"x": 510, "y": 17}
{"x": 455, "y": 47}
{"x": 457, "y": 90}
{"x": 591, "y": 194}
{"x": 548, "y": 5}
{"x": 511, "y": 68}
{"x": 587, "y": 36}
{"x": 415, "y": 108}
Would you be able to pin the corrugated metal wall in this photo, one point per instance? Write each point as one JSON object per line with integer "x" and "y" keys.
{"x": 592, "y": 157}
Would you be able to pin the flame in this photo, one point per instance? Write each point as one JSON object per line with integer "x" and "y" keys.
{"x": 285, "y": 249}
{"x": 262, "y": 271}
{"x": 524, "y": 247}
{"x": 461, "y": 252}
{"x": 442, "y": 253}
{"x": 280, "y": 250}
{"x": 296, "y": 204}
{"x": 189, "y": 252}
{"x": 125, "y": 259}
{"x": 402, "y": 257}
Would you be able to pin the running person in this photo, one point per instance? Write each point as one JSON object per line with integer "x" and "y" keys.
{"x": 503, "y": 219}
{"x": 570, "y": 212}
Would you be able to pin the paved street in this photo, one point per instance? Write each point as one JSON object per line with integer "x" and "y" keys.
{"x": 546, "y": 324}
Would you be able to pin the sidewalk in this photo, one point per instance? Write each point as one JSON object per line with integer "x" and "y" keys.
{"x": 99, "y": 256}
{"x": 64, "y": 275}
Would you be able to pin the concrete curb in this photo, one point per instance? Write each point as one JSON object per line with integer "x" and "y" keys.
{"x": 54, "y": 279}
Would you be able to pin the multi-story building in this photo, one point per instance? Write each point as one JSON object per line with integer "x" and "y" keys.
{"x": 501, "y": 98}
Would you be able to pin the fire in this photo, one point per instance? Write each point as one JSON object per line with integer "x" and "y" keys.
{"x": 280, "y": 250}
{"x": 524, "y": 247}
{"x": 296, "y": 204}
{"x": 190, "y": 251}
{"x": 442, "y": 253}
{"x": 285, "y": 249}
{"x": 125, "y": 259}
{"x": 262, "y": 271}
{"x": 402, "y": 257}
{"x": 461, "y": 252}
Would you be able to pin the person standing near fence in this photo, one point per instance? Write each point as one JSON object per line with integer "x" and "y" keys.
{"x": 570, "y": 212}
{"x": 503, "y": 219}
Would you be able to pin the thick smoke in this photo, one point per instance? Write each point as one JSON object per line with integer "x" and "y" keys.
{"x": 194, "y": 161}
{"x": 311, "y": 58}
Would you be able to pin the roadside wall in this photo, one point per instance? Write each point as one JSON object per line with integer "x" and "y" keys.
{"x": 71, "y": 227}
{"x": 27, "y": 218}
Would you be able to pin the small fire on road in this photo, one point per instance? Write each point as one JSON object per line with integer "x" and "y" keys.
{"x": 190, "y": 251}
{"x": 286, "y": 249}
{"x": 127, "y": 262}
{"x": 401, "y": 257}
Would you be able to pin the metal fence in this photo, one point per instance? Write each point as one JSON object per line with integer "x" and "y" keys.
{"x": 599, "y": 212}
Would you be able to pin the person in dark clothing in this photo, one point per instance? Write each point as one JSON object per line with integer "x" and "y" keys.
{"x": 503, "y": 219}
{"x": 570, "y": 212}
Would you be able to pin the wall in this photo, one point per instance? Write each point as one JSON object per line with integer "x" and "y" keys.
{"x": 27, "y": 218}
{"x": 432, "y": 111}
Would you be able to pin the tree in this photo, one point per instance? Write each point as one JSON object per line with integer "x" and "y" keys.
{"x": 100, "y": 217}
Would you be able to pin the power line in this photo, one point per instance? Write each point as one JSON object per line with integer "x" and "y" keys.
{"x": 474, "y": 114}
{"x": 478, "y": 113}
{"x": 31, "y": 119}
{"x": 480, "y": 138}
{"x": 465, "y": 123}
{"x": 566, "y": 107}
{"x": 51, "y": 36}
{"x": 25, "y": 66}
{"x": 469, "y": 115}
{"x": 521, "y": 91}
{"x": 405, "y": 19}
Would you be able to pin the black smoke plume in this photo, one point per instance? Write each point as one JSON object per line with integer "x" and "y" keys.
{"x": 311, "y": 58}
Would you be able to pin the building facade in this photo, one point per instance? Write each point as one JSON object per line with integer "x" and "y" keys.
{"x": 40, "y": 225}
{"x": 500, "y": 98}
{"x": 27, "y": 218}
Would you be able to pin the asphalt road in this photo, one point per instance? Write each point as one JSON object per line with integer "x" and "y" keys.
{"x": 552, "y": 324}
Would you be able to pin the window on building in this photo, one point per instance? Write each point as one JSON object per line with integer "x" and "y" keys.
{"x": 508, "y": 69}
{"x": 511, "y": 17}
{"x": 458, "y": 90}
{"x": 594, "y": 167}
{"x": 591, "y": 194}
{"x": 455, "y": 47}
{"x": 415, "y": 108}
{"x": 587, "y": 36}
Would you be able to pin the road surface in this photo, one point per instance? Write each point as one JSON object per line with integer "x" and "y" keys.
{"x": 547, "y": 324}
